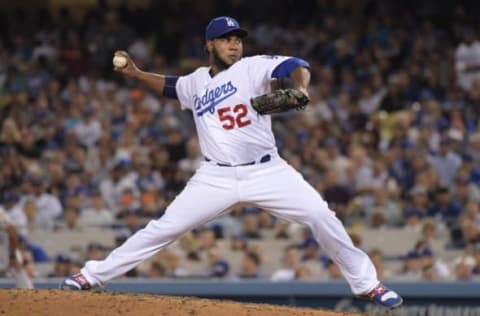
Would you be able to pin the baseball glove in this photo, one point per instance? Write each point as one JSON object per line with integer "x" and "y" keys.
{"x": 279, "y": 101}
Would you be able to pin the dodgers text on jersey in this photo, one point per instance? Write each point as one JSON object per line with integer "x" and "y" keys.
{"x": 212, "y": 97}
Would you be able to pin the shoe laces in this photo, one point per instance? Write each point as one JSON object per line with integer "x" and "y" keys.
{"x": 378, "y": 290}
{"x": 80, "y": 279}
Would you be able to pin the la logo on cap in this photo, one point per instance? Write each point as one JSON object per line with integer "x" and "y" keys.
{"x": 230, "y": 22}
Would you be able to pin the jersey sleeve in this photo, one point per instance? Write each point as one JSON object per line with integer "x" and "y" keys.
{"x": 184, "y": 89}
{"x": 260, "y": 69}
{"x": 264, "y": 68}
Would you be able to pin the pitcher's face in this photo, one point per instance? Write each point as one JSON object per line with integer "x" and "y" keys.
{"x": 226, "y": 50}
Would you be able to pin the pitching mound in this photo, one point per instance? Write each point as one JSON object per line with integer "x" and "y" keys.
{"x": 55, "y": 302}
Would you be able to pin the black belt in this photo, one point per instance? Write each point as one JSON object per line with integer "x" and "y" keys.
{"x": 265, "y": 158}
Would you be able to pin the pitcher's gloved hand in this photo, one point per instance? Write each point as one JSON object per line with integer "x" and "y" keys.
{"x": 279, "y": 101}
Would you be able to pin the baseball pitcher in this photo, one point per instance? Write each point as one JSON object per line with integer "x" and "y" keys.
{"x": 231, "y": 101}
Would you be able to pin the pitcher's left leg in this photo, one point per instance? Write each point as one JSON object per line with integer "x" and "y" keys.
{"x": 283, "y": 191}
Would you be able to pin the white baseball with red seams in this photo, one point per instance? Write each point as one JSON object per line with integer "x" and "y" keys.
{"x": 119, "y": 61}
{"x": 232, "y": 134}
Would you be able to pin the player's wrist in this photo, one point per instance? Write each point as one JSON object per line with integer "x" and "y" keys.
{"x": 136, "y": 74}
{"x": 302, "y": 89}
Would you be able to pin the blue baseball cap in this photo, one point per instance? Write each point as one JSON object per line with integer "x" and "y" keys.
{"x": 414, "y": 212}
{"x": 419, "y": 253}
{"x": 309, "y": 242}
{"x": 63, "y": 258}
{"x": 222, "y": 25}
{"x": 220, "y": 269}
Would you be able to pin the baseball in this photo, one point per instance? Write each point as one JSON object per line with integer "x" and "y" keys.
{"x": 119, "y": 61}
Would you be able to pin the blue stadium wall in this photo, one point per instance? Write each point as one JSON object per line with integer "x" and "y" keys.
{"x": 421, "y": 298}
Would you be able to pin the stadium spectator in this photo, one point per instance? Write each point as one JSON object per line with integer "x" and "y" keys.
{"x": 70, "y": 220}
{"x": 385, "y": 210}
{"x": 377, "y": 257}
{"x": 218, "y": 267}
{"x": 156, "y": 270}
{"x": 251, "y": 226}
{"x": 467, "y": 60}
{"x": 418, "y": 199}
{"x": 266, "y": 221}
{"x": 336, "y": 194}
{"x": 94, "y": 251}
{"x": 291, "y": 263}
{"x": 446, "y": 162}
{"x": 34, "y": 223}
{"x": 133, "y": 221}
{"x": 96, "y": 214}
{"x": 9, "y": 204}
{"x": 89, "y": 130}
{"x": 62, "y": 266}
{"x": 250, "y": 266}
{"x": 205, "y": 237}
{"x": 304, "y": 273}
{"x": 445, "y": 208}
{"x": 282, "y": 230}
{"x": 172, "y": 262}
{"x": 47, "y": 205}
{"x": 189, "y": 246}
{"x": 333, "y": 271}
{"x": 239, "y": 242}
{"x": 464, "y": 268}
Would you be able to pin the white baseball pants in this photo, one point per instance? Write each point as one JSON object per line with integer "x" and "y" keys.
{"x": 274, "y": 186}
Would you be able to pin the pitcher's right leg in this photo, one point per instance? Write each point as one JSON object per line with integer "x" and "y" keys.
{"x": 197, "y": 204}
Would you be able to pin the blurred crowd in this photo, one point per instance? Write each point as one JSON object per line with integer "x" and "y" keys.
{"x": 391, "y": 137}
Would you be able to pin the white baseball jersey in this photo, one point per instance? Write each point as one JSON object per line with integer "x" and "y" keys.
{"x": 229, "y": 129}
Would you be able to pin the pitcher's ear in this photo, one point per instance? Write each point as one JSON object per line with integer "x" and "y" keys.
{"x": 209, "y": 46}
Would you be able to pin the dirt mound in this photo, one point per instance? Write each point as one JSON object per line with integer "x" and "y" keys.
{"x": 56, "y": 302}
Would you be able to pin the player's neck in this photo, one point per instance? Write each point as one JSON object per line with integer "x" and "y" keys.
{"x": 217, "y": 65}
{"x": 215, "y": 70}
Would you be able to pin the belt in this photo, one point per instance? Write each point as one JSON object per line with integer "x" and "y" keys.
{"x": 265, "y": 158}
